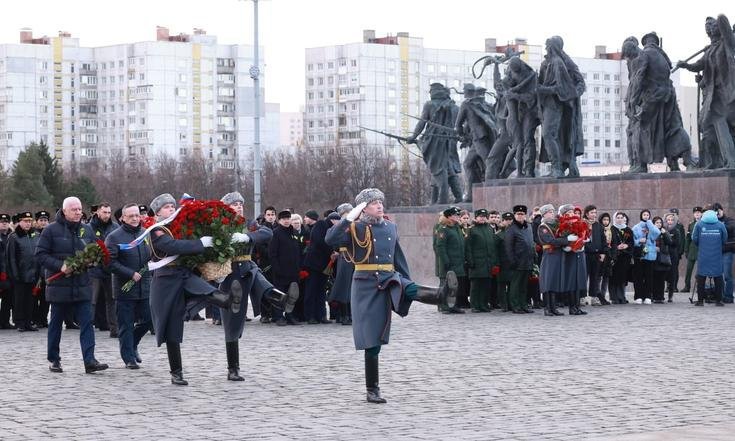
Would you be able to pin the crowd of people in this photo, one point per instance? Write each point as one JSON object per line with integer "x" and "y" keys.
{"x": 572, "y": 255}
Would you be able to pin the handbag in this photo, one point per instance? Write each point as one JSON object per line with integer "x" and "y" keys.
{"x": 663, "y": 259}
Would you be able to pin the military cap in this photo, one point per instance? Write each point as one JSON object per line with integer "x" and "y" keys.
{"x": 369, "y": 195}
{"x": 43, "y": 214}
{"x": 4, "y": 217}
{"x": 24, "y": 215}
{"x": 285, "y": 214}
{"x": 143, "y": 209}
{"x": 507, "y": 216}
{"x": 160, "y": 201}
{"x": 312, "y": 214}
{"x": 520, "y": 209}
{"x": 231, "y": 198}
{"x": 452, "y": 211}
{"x": 482, "y": 212}
{"x": 697, "y": 209}
{"x": 343, "y": 209}
{"x": 674, "y": 210}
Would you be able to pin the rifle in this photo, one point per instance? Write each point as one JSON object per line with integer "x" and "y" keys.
{"x": 402, "y": 140}
{"x": 432, "y": 123}
{"x": 692, "y": 56}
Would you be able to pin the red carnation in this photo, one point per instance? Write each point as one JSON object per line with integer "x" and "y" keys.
{"x": 303, "y": 274}
{"x": 105, "y": 252}
{"x": 3, "y": 276}
{"x": 225, "y": 221}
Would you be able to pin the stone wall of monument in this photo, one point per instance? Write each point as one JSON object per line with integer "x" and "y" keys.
{"x": 658, "y": 192}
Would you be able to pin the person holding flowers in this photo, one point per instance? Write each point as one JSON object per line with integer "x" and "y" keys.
{"x": 246, "y": 278}
{"x": 65, "y": 251}
{"x": 551, "y": 275}
{"x": 574, "y": 265}
{"x": 184, "y": 240}
{"x": 131, "y": 283}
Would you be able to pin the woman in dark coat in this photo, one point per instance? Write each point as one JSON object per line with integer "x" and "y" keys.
{"x": 574, "y": 269}
{"x": 621, "y": 249}
{"x": 662, "y": 265}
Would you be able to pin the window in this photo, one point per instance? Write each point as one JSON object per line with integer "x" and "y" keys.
{"x": 310, "y": 81}
{"x": 607, "y": 77}
{"x": 596, "y": 76}
{"x": 182, "y": 122}
{"x": 181, "y": 92}
{"x": 597, "y": 155}
{"x": 607, "y": 143}
{"x": 320, "y": 66}
{"x": 141, "y": 77}
{"x": 353, "y": 63}
{"x": 320, "y": 81}
{"x": 330, "y": 65}
{"x": 310, "y": 95}
{"x": 596, "y": 89}
{"x": 617, "y": 143}
{"x": 597, "y": 142}
{"x": 309, "y": 67}
{"x": 616, "y": 77}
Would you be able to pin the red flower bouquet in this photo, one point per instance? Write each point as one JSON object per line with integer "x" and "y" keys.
{"x": 93, "y": 254}
{"x": 207, "y": 218}
{"x": 571, "y": 224}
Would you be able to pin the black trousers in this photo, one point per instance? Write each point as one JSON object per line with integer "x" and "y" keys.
{"x": 23, "y": 304}
{"x": 719, "y": 287}
{"x": 6, "y": 305}
{"x": 659, "y": 279}
{"x": 593, "y": 274}
{"x": 643, "y": 279}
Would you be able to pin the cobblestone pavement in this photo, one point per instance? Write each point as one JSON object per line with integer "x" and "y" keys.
{"x": 627, "y": 372}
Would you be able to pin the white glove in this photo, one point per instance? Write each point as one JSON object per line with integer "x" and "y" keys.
{"x": 207, "y": 241}
{"x": 572, "y": 238}
{"x": 355, "y": 212}
{"x": 240, "y": 238}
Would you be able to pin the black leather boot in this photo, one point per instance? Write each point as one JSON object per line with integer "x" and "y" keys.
{"x": 174, "y": 362}
{"x": 371, "y": 380}
{"x": 548, "y": 305}
{"x": 552, "y": 301}
{"x": 282, "y": 300}
{"x": 346, "y": 314}
{"x": 233, "y": 361}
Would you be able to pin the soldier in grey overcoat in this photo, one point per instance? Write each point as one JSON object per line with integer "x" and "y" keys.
{"x": 551, "y": 279}
{"x": 177, "y": 293}
{"x": 381, "y": 281}
{"x": 247, "y": 278}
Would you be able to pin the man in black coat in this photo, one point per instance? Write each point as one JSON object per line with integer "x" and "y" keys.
{"x": 521, "y": 252}
{"x": 317, "y": 258}
{"x": 102, "y": 303}
{"x": 261, "y": 256}
{"x": 60, "y": 240}
{"x": 23, "y": 270}
{"x": 133, "y": 311}
{"x": 6, "y": 287}
{"x": 284, "y": 252}
{"x": 596, "y": 251}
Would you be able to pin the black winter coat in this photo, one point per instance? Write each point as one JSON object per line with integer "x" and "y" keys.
{"x": 520, "y": 249}
{"x": 22, "y": 265}
{"x": 284, "y": 252}
{"x": 125, "y": 263}
{"x": 318, "y": 253}
{"x": 59, "y": 240}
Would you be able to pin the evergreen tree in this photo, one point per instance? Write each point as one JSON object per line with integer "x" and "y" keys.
{"x": 53, "y": 177}
{"x": 27, "y": 189}
{"x": 84, "y": 189}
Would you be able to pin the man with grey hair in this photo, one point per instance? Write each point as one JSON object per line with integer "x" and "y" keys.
{"x": 73, "y": 293}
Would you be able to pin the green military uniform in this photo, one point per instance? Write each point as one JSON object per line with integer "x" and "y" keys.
{"x": 482, "y": 254}
{"x": 690, "y": 249}
{"x": 450, "y": 254}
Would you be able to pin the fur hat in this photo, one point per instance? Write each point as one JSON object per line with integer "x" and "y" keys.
{"x": 546, "y": 208}
{"x": 161, "y": 200}
{"x": 564, "y": 208}
{"x": 369, "y": 195}
{"x": 345, "y": 208}
{"x": 231, "y": 198}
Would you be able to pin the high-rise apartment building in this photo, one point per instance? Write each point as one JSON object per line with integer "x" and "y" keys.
{"x": 179, "y": 95}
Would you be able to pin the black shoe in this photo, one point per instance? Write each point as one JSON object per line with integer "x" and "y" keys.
{"x": 528, "y": 311}
{"x": 72, "y": 326}
{"x": 291, "y": 321}
{"x": 31, "y": 328}
{"x": 719, "y": 304}
{"x": 347, "y": 321}
{"x": 233, "y": 374}
{"x": 265, "y": 319}
{"x": 476, "y": 310}
{"x": 699, "y": 303}
{"x": 313, "y": 322}
{"x": 217, "y": 322}
{"x": 132, "y": 365}
{"x": 548, "y": 313}
{"x": 95, "y": 366}
{"x": 177, "y": 378}
{"x": 518, "y": 311}
{"x": 137, "y": 357}
{"x": 579, "y": 312}
{"x": 325, "y": 321}
{"x": 686, "y": 289}
{"x": 55, "y": 366}
{"x": 455, "y": 310}
{"x": 248, "y": 319}
{"x": 281, "y": 322}
{"x": 22, "y": 329}
{"x": 114, "y": 334}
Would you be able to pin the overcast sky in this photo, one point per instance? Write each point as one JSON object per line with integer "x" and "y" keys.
{"x": 289, "y": 26}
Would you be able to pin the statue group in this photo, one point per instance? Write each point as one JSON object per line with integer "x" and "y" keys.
{"x": 501, "y": 137}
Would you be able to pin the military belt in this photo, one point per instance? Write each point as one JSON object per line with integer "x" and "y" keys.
{"x": 375, "y": 267}
{"x": 342, "y": 249}
{"x": 243, "y": 258}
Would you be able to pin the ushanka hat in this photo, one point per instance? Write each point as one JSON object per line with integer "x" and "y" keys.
{"x": 344, "y": 209}
{"x": 231, "y": 198}
{"x": 160, "y": 201}
{"x": 545, "y": 209}
{"x": 369, "y": 195}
